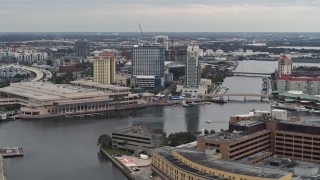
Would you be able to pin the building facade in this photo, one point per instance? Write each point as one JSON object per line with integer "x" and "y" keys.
{"x": 186, "y": 163}
{"x": 43, "y": 99}
{"x": 148, "y": 60}
{"x": 285, "y": 64}
{"x": 82, "y": 48}
{"x": 307, "y": 84}
{"x": 192, "y": 67}
{"x": 104, "y": 70}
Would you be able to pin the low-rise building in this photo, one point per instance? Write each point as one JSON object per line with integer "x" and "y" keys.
{"x": 135, "y": 138}
{"x": 44, "y": 99}
{"x": 186, "y": 162}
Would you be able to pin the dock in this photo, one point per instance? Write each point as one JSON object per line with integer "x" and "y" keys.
{"x": 8, "y": 152}
{"x": 2, "y": 173}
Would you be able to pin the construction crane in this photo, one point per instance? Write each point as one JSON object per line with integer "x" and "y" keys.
{"x": 140, "y": 30}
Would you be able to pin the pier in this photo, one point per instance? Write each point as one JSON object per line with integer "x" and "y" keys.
{"x": 8, "y": 152}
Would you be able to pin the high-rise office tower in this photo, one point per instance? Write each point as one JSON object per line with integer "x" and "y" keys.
{"x": 192, "y": 74}
{"x": 148, "y": 65}
{"x": 82, "y": 48}
{"x": 104, "y": 70}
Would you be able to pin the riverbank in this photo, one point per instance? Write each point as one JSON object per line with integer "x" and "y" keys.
{"x": 124, "y": 169}
{"x": 2, "y": 173}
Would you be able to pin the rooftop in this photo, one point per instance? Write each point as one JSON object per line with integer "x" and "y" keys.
{"x": 166, "y": 153}
{"x": 227, "y": 166}
{"x": 136, "y": 130}
{"x": 99, "y": 85}
{"x": 228, "y": 137}
{"x": 45, "y": 91}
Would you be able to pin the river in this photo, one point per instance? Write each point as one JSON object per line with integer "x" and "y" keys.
{"x": 65, "y": 148}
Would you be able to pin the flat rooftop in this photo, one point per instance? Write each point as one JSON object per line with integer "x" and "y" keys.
{"x": 229, "y": 166}
{"x": 136, "y": 130}
{"x": 288, "y": 165}
{"x": 229, "y": 137}
{"x": 249, "y": 122}
{"x": 166, "y": 153}
{"x": 46, "y": 91}
{"x": 99, "y": 85}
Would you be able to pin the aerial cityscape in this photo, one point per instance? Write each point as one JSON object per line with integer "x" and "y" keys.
{"x": 138, "y": 90}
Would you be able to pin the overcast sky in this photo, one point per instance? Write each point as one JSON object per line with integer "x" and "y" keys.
{"x": 160, "y": 15}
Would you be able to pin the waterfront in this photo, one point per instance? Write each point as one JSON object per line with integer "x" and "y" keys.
{"x": 65, "y": 148}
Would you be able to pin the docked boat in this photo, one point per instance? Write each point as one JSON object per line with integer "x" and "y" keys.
{"x": 208, "y": 121}
{"x": 184, "y": 104}
{"x": 302, "y": 109}
{"x": 220, "y": 100}
{"x": 3, "y": 116}
{"x": 316, "y": 112}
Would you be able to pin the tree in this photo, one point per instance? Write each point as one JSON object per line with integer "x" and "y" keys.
{"x": 104, "y": 140}
{"x": 206, "y": 132}
{"x": 176, "y": 139}
{"x": 212, "y": 131}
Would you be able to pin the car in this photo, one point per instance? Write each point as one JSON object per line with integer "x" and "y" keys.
{"x": 135, "y": 168}
{"x": 116, "y": 155}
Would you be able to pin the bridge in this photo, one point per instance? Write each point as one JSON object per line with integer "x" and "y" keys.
{"x": 249, "y": 74}
{"x": 244, "y": 95}
{"x": 41, "y": 74}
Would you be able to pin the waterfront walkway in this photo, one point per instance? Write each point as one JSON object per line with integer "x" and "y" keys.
{"x": 2, "y": 173}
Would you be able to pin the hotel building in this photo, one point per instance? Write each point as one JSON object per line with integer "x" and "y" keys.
{"x": 104, "y": 70}
{"x": 148, "y": 66}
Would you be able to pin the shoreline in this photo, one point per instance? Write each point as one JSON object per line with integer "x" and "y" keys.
{"x": 116, "y": 163}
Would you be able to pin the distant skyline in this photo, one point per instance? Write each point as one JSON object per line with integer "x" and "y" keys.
{"x": 159, "y": 15}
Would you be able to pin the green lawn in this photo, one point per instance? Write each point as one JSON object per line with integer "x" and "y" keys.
{"x": 112, "y": 151}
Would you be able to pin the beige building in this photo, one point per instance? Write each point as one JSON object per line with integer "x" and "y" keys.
{"x": 44, "y": 99}
{"x": 104, "y": 70}
{"x": 285, "y": 64}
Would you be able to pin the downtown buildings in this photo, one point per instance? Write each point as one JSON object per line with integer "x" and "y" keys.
{"x": 148, "y": 66}
{"x": 82, "y": 48}
{"x": 192, "y": 85}
{"x": 255, "y": 147}
{"x": 288, "y": 79}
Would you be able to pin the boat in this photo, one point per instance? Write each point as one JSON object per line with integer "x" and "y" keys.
{"x": 3, "y": 116}
{"x": 184, "y": 104}
{"x": 220, "y": 100}
{"x": 316, "y": 112}
{"x": 208, "y": 121}
{"x": 302, "y": 109}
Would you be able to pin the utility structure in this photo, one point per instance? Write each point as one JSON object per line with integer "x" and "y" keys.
{"x": 140, "y": 30}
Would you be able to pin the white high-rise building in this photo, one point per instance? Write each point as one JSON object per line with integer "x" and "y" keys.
{"x": 192, "y": 67}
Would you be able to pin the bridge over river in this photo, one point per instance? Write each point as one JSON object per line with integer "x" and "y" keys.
{"x": 244, "y": 95}
{"x": 249, "y": 74}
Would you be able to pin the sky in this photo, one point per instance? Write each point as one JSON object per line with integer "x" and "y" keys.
{"x": 160, "y": 15}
